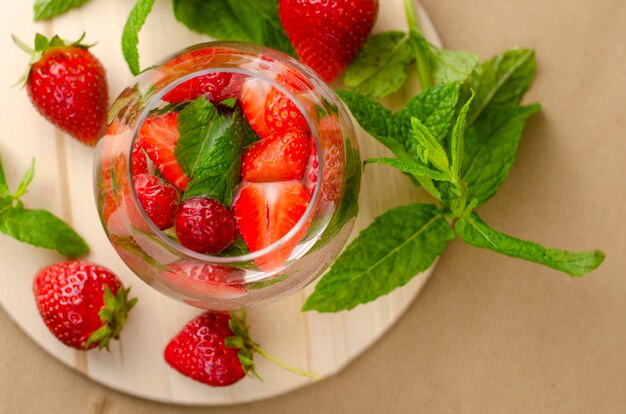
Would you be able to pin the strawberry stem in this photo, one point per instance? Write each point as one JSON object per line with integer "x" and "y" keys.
{"x": 256, "y": 348}
{"x": 413, "y": 21}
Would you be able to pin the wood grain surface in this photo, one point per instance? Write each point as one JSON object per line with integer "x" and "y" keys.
{"x": 323, "y": 344}
{"x": 488, "y": 334}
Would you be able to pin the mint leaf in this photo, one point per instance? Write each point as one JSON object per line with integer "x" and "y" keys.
{"x": 4, "y": 187}
{"x": 381, "y": 66}
{"x": 476, "y": 232}
{"x": 410, "y": 167}
{"x": 429, "y": 150}
{"x": 457, "y": 144}
{"x": 490, "y": 149}
{"x": 348, "y": 207}
{"x": 445, "y": 65}
{"x": 130, "y": 35}
{"x": 46, "y": 9}
{"x": 396, "y": 247}
{"x": 502, "y": 81}
{"x": 253, "y": 21}
{"x": 28, "y": 177}
{"x": 42, "y": 229}
{"x": 209, "y": 150}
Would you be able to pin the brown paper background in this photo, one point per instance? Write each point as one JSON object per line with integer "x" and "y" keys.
{"x": 489, "y": 334}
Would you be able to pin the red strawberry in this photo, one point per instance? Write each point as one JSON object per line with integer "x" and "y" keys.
{"x": 84, "y": 305}
{"x": 67, "y": 85}
{"x": 281, "y": 157}
{"x": 215, "y": 348}
{"x": 199, "y": 351}
{"x": 158, "y": 199}
{"x": 209, "y": 281}
{"x": 270, "y": 111}
{"x": 216, "y": 87}
{"x": 204, "y": 225}
{"x": 158, "y": 137}
{"x": 327, "y": 34}
{"x": 265, "y": 212}
{"x": 139, "y": 165}
{"x": 333, "y": 156}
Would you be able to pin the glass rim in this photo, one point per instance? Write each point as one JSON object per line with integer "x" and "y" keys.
{"x": 231, "y": 260}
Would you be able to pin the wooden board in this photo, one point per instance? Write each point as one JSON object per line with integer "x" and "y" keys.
{"x": 323, "y": 344}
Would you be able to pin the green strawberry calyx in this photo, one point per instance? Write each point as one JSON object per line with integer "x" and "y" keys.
{"x": 247, "y": 347}
{"x": 42, "y": 45}
{"x": 113, "y": 315}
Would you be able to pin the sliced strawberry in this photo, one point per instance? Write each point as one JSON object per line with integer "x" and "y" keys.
{"x": 208, "y": 280}
{"x": 158, "y": 137}
{"x": 139, "y": 164}
{"x": 252, "y": 100}
{"x": 333, "y": 156}
{"x": 282, "y": 114}
{"x": 265, "y": 212}
{"x": 281, "y": 157}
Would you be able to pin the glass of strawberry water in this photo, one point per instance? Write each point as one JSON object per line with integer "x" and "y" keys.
{"x": 229, "y": 176}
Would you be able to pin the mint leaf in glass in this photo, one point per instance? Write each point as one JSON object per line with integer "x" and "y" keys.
{"x": 209, "y": 150}
{"x": 474, "y": 231}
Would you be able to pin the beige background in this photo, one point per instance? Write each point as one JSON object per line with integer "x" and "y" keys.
{"x": 488, "y": 334}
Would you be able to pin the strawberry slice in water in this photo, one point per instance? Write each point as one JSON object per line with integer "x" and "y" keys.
{"x": 265, "y": 212}
{"x": 216, "y": 87}
{"x": 281, "y": 157}
{"x": 207, "y": 280}
{"x": 158, "y": 137}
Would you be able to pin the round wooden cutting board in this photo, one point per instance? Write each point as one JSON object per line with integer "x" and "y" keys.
{"x": 320, "y": 343}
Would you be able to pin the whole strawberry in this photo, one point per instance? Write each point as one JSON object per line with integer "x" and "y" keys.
{"x": 215, "y": 348}
{"x": 67, "y": 85}
{"x": 327, "y": 34}
{"x": 84, "y": 305}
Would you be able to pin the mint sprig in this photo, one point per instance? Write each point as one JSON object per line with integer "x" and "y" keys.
{"x": 458, "y": 140}
{"x": 37, "y": 227}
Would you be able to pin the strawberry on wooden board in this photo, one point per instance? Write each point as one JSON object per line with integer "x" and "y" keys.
{"x": 327, "y": 34}
{"x": 215, "y": 348}
{"x": 158, "y": 137}
{"x": 281, "y": 157}
{"x": 265, "y": 212}
{"x": 84, "y": 305}
{"x": 68, "y": 86}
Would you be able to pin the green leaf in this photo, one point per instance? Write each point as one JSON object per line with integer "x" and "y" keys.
{"x": 396, "y": 247}
{"x": 429, "y": 150}
{"x": 46, "y": 9}
{"x": 381, "y": 66}
{"x": 502, "y": 81}
{"x": 445, "y": 65}
{"x": 410, "y": 167}
{"x": 236, "y": 248}
{"x": 476, "y": 232}
{"x": 28, "y": 177}
{"x": 490, "y": 149}
{"x": 434, "y": 107}
{"x": 4, "y": 186}
{"x": 41, "y": 228}
{"x": 457, "y": 140}
{"x": 130, "y": 35}
{"x": 348, "y": 207}
{"x": 41, "y": 42}
{"x": 209, "y": 150}
{"x": 253, "y": 21}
